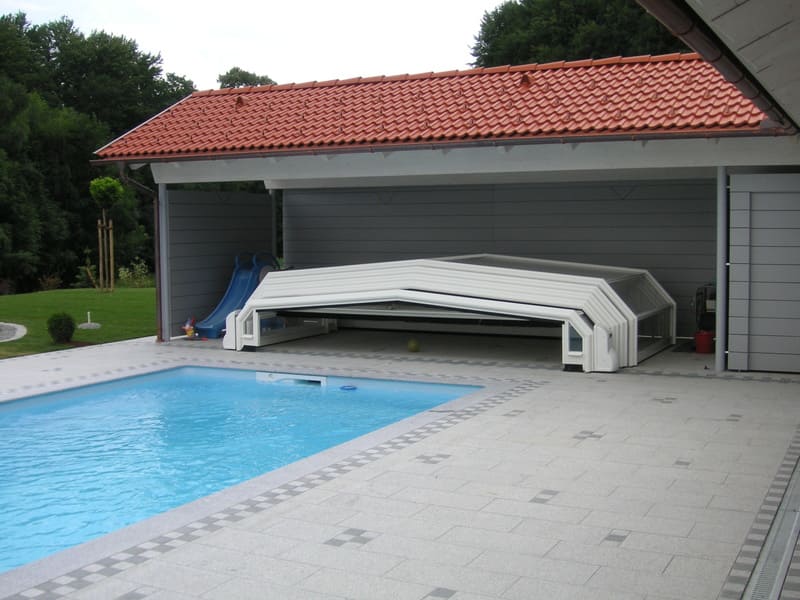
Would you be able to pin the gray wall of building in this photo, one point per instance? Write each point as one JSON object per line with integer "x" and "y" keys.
{"x": 667, "y": 227}
{"x": 207, "y": 230}
{"x": 764, "y": 276}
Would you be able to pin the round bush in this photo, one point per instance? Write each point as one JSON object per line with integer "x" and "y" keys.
{"x": 61, "y": 326}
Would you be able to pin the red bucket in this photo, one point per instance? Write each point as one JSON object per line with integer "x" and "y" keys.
{"x": 704, "y": 342}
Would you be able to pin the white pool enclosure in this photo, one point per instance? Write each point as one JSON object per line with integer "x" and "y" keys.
{"x": 609, "y": 317}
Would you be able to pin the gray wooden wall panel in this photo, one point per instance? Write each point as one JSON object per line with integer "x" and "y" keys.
{"x": 665, "y": 227}
{"x": 206, "y": 231}
{"x": 764, "y": 308}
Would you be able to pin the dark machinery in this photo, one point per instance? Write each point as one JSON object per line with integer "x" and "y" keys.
{"x": 705, "y": 304}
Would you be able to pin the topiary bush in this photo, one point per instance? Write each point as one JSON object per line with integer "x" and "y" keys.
{"x": 61, "y": 326}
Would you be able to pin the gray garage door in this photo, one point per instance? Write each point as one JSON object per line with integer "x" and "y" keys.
{"x": 764, "y": 310}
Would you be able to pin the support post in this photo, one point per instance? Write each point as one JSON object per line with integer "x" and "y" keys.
{"x": 720, "y": 358}
{"x": 101, "y": 258}
{"x": 157, "y": 265}
{"x": 273, "y": 197}
{"x": 163, "y": 288}
{"x": 111, "y": 255}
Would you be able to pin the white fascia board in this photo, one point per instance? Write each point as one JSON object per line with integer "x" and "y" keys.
{"x": 488, "y": 163}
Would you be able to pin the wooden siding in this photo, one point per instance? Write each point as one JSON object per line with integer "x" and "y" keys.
{"x": 665, "y": 227}
{"x": 764, "y": 288}
{"x": 207, "y": 230}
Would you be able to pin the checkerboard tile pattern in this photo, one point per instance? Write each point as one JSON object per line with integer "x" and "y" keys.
{"x": 441, "y": 593}
{"x": 514, "y": 413}
{"x": 665, "y": 399}
{"x": 616, "y": 537}
{"x": 352, "y": 537}
{"x": 742, "y": 569}
{"x": 544, "y": 496}
{"x": 432, "y": 459}
{"x": 64, "y": 585}
{"x": 588, "y": 435}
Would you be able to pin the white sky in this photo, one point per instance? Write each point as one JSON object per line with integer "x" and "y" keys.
{"x": 289, "y": 40}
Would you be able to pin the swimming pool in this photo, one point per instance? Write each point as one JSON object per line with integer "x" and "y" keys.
{"x": 78, "y": 464}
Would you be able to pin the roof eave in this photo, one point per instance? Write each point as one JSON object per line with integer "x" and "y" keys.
{"x": 687, "y": 26}
{"x": 153, "y": 118}
{"x": 771, "y": 131}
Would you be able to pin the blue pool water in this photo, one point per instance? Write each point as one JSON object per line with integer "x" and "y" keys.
{"x": 79, "y": 464}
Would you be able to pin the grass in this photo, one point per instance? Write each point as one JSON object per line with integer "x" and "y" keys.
{"x": 124, "y": 313}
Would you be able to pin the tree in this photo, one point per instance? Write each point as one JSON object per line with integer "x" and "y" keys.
{"x": 62, "y": 95}
{"x": 539, "y": 31}
{"x": 17, "y": 59}
{"x": 106, "y": 192}
{"x": 236, "y": 77}
{"x": 104, "y": 75}
{"x": 172, "y": 88}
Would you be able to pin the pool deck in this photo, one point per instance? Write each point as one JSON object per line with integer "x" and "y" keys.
{"x": 656, "y": 482}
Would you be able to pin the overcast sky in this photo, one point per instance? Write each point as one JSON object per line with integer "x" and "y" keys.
{"x": 290, "y": 40}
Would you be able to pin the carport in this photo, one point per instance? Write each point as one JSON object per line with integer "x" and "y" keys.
{"x": 622, "y": 162}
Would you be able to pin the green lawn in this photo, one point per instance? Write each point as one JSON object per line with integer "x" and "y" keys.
{"x": 124, "y": 313}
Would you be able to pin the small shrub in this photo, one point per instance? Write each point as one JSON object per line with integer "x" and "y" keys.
{"x": 49, "y": 282}
{"x": 61, "y": 326}
{"x": 137, "y": 275}
{"x": 87, "y": 273}
{"x": 86, "y": 277}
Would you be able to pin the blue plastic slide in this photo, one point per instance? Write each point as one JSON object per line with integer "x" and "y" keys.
{"x": 243, "y": 283}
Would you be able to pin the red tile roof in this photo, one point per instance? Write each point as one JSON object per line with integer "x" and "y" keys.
{"x": 670, "y": 95}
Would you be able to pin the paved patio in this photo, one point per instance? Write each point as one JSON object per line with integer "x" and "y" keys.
{"x": 656, "y": 482}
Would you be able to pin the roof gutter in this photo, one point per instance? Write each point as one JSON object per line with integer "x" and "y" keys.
{"x": 686, "y": 25}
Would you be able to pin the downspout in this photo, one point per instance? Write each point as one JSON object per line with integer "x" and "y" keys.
{"x": 720, "y": 358}
{"x": 123, "y": 175}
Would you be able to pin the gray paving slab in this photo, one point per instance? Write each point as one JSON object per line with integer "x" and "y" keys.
{"x": 645, "y": 484}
